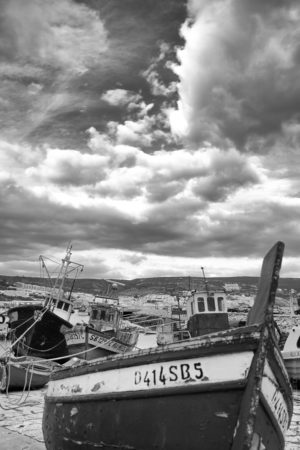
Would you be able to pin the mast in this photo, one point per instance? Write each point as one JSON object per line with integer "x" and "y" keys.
{"x": 66, "y": 268}
{"x": 205, "y": 281}
{"x": 292, "y": 292}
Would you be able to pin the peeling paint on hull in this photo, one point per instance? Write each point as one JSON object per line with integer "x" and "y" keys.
{"x": 84, "y": 409}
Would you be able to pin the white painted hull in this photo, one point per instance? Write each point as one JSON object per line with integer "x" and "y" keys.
{"x": 197, "y": 371}
{"x": 166, "y": 392}
{"x": 292, "y": 364}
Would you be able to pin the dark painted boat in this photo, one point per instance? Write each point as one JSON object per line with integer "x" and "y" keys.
{"x": 36, "y": 332}
{"x": 223, "y": 390}
{"x": 25, "y": 373}
{"x": 206, "y": 312}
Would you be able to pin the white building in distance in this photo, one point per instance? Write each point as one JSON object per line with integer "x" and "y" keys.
{"x": 231, "y": 287}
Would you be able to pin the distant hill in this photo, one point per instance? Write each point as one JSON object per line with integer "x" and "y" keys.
{"x": 159, "y": 285}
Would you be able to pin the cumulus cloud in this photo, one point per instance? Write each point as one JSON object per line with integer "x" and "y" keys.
{"x": 150, "y": 185}
{"x": 141, "y": 127}
{"x": 158, "y": 74}
{"x": 61, "y": 34}
{"x": 237, "y": 69}
{"x": 121, "y": 171}
{"x": 122, "y": 97}
{"x": 44, "y": 47}
{"x": 229, "y": 171}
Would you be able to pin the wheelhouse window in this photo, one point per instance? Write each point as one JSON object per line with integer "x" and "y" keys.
{"x": 94, "y": 314}
{"x": 60, "y": 304}
{"x": 211, "y": 304}
{"x": 221, "y": 303}
{"x": 201, "y": 304}
{"x": 298, "y": 343}
{"x": 66, "y": 306}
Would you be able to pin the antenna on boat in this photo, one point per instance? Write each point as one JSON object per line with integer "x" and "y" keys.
{"x": 205, "y": 281}
{"x": 189, "y": 280}
{"x": 291, "y": 298}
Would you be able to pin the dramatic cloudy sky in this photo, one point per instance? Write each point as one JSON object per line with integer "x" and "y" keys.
{"x": 157, "y": 136}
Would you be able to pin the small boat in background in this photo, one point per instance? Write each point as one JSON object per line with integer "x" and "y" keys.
{"x": 106, "y": 332}
{"x": 36, "y": 332}
{"x": 291, "y": 354}
{"x": 223, "y": 390}
{"x": 206, "y": 312}
{"x": 25, "y": 373}
{"x": 291, "y": 347}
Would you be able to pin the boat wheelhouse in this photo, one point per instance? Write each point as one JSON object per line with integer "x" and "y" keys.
{"x": 106, "y": 333}
{"x": 206, "y": 312}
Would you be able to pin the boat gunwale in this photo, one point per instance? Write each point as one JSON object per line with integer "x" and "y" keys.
{"x": 155, "y": 392}
{"x": 206, "y": 345}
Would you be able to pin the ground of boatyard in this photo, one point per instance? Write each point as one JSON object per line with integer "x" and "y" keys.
{"x": 21, "y": 420}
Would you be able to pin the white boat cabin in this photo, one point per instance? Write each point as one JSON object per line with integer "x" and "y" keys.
{"x": 105, "y": 316}
{"x": 292, "y": 344}
{"x": 206, "y": 312}
{"x": 62, "y": 307}
{"x": 206, "y": 302}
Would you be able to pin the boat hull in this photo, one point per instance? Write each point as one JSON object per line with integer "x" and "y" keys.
{"x": 187, "y": 396}
{"x": 24, "y": 373}
{"x": 292, "y": 364}
{"x": 89, "y": 344}
{"x": 155, "y": 422}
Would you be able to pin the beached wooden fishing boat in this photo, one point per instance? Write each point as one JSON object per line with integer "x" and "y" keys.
{"x": 37, "y": 330}
{"x": 224, "y": 390}
{"x": 105, "y": 334}
{"x": 88, "y": 343}
{"x": 25, "y": 373}
{"x": 36, "y": 333}
{"x": 206, "y": 312}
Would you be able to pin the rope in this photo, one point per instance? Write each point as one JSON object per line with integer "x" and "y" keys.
{"x": 64, "y": 357}
{"x": 20, "y": 401}
{"x": 28, "y": 329}
{"x": 47, "y": 349}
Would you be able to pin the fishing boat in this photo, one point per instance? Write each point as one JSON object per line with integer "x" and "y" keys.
{"x": 206, "y": 312}
{"x": 25, "y": 373}
{"x": 291, "y": 345}
{"x": 223, "y": 390}
{"x": 106, "y": 332}
{"x": 36, "y": 332}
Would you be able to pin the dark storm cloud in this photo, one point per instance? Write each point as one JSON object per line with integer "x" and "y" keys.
{"x": 58, "y": 59}
{"x": 229, "y": 172}
{"x": 44, "y": 48}
{"x": 239, "y": 69}
{"x": 95, "y": 148}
